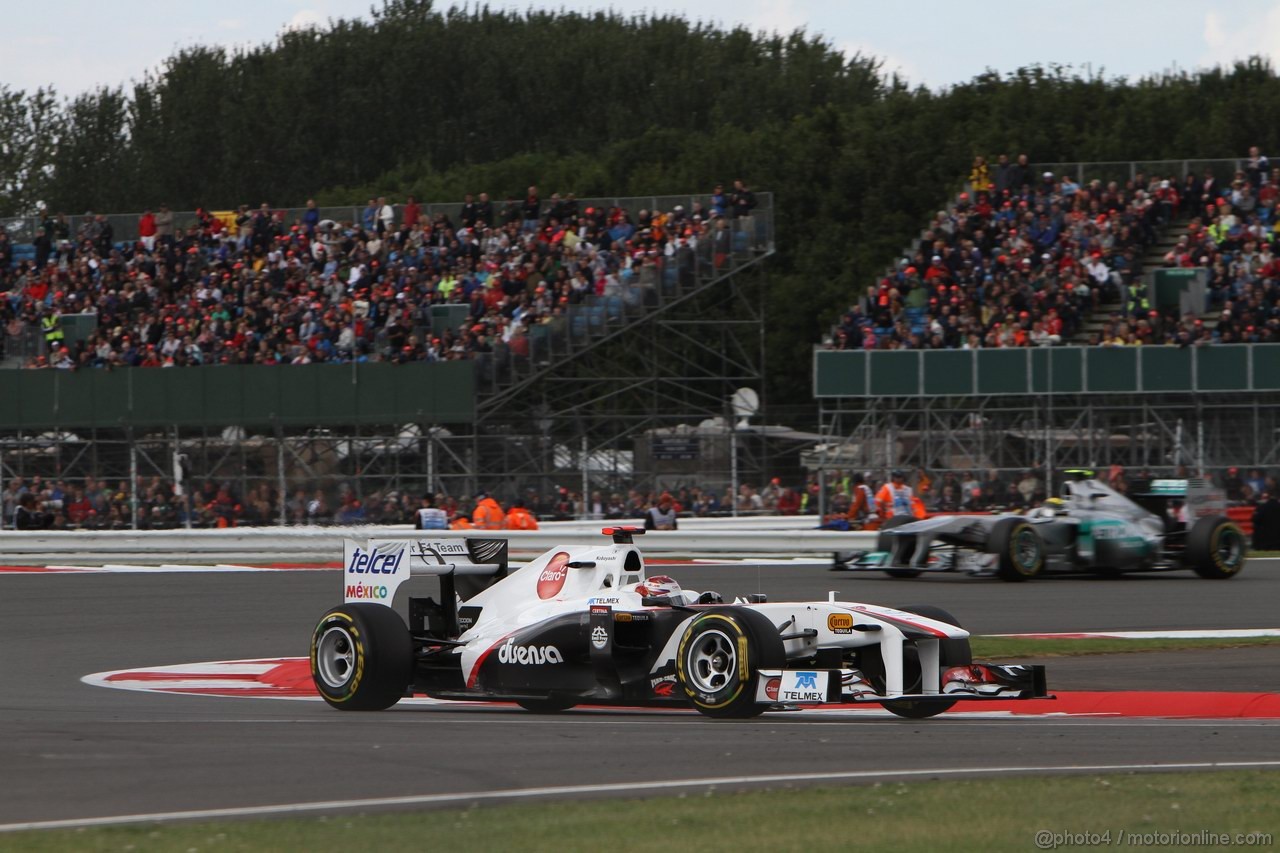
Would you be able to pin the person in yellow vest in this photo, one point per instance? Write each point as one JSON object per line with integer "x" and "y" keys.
{"x": 519, "y": 518}
{"x": 51, "y": 326}
{"x": 487, "y": 514}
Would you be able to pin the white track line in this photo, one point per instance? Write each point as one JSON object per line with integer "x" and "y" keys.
{"x": 1194, "y": 634}
{"x": 613, "y": 788}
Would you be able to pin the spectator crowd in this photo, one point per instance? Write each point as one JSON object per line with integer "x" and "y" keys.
{"x": 855, "y": 497}
{"x": 256, "y": 288}
{"x": 1025, "y": 257}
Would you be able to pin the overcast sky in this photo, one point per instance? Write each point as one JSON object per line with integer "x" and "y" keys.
{"x": 77, "y": 45}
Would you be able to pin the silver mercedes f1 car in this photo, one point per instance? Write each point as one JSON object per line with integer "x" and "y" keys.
{"x": 1160, "y": 525}
{"x": 587, "y": 625}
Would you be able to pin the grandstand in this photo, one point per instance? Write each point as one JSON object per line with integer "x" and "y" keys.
{"x": 1103, "y": 392}
{"x": 671, "y": 330}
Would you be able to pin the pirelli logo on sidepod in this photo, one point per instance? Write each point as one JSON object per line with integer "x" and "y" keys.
{"x": 840, "y": 623}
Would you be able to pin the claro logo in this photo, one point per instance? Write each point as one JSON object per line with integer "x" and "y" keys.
{"x": 551, "y": 581}
{"x": 526, "y": 655}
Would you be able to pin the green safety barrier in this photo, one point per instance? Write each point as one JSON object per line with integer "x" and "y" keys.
{"x": 239, "y": 395}
{"x": 1053, "y": 370}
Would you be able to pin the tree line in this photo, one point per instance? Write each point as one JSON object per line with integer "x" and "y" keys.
{"x": 438, "y": 103}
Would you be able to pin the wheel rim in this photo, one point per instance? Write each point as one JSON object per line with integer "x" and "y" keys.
{"x": 1026, "y": 550}
{"x": 713, "y": 661}
{"x": 335, "y": 657}
{"x": 1230, "y": 549}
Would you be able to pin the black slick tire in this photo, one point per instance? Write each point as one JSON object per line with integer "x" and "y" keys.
{"x": 1019, "y": 550}
{"x": 720, "y": 657}
{"x": 361, "y": 657}
{"x": 1216, "y": 548}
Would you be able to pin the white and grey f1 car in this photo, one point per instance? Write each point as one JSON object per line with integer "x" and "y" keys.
{"x": 585, "y": 625}
{"x": 1159, "y": 525}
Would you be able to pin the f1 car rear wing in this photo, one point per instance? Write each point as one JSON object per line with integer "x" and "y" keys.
{"x": 373, "y": 570}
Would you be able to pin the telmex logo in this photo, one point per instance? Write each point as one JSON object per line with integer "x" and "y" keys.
{"x": 375, "y": 563}
{"x": 551, "y": 581}
{"x": 522, "y": 655}
{"x": 363, "y": 591}
{"x": 840, "y": 623}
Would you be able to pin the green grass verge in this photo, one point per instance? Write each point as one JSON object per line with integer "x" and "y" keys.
{"x": 932, "y": 817}
{"x": 1264, "y": 553}
{"x": 1020, "y": 647}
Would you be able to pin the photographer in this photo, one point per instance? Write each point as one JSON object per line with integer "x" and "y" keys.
{"x": 27, "y": 516}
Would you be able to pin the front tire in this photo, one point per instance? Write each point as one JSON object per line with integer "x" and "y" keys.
{"x": 950, "y": 653}
{"x": 720, "y": 657}
{"x": 1019, "y": 550}
{"x": 1216, "y": 548}
{"x": 361, "y": 657}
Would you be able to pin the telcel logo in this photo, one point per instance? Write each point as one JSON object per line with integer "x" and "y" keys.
{"x": 375, "y": 563}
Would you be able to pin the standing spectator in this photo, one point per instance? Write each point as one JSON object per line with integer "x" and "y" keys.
{"x": 1256, "y": 482}
{"x": 1019, "y": 175}
{"x": 43, "y": 245}
{"x": 484, "y": 210}
{"x": 487, "y": 514}
{"x": 412, "y": 212}
{"x": 386, "y": 216}
{"x": 894, "y": 497}
{"x": 1257, "y": 167}
{"x": 531, "y": 210}
{"x": 147, "y": 230}
{"x": 743, "y": 200}
{"x": 979, "y": 175}
{"x": 1233, "y": 485}
{"x": 1002, "y": 174}
{"x": 470, "y": 211}
{"x": 311, "y": 217}
{"x": 1266, "y": 524}
{"x": 164, "y": 226}
{"x": 428, "y": 516}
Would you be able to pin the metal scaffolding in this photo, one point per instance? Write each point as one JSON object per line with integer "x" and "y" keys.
{"x": 1203, "y": 432}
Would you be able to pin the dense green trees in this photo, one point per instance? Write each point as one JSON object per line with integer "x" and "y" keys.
{"x": 439, "y": 103}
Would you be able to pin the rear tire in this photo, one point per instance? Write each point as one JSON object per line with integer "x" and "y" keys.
{"x": 1018, "y": 548}
{"x": 361, "y": 657}
{"x": 719, "y": 659}
{"x": 883, "y": 543}
{"x": 950, "y": 653}
{"x": 1216, "y": 548}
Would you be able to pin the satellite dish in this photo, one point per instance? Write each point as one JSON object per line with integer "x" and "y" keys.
{"x": 745, "y": 402}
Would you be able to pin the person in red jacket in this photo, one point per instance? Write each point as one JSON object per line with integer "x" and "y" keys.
{"x": 147, "y": 230}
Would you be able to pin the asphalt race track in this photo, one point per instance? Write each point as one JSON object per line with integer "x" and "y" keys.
{"x": 73, "y": 751}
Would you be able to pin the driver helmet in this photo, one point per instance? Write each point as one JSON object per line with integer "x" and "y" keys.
{"x": 658, "y": 586}
{"x": 1056, "y": 504}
